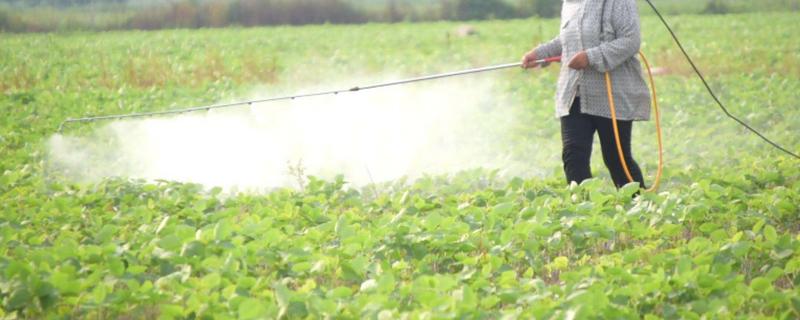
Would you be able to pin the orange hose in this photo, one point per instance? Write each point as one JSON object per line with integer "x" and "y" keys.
{"x": 609, "y": 90}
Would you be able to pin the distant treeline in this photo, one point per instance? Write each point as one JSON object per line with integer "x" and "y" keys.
{"x": 64, "y": 15}
{"x": 190, "y": 14}
{"x": 68, "y": 15}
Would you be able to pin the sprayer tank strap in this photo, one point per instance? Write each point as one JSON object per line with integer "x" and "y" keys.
{"x": 603, "y": 21}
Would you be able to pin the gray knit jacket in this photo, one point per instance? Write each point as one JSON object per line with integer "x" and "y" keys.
{"x": 617, "y": 53}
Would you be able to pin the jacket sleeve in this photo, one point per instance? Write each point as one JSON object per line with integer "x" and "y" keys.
{"x": 625, "y": 20}
{"x": 549, "y": 49}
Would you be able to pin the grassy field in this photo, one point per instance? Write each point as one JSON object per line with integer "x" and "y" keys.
{"x": 720, "y": 239}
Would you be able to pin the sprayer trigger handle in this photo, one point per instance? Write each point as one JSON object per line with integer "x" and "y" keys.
{"x": 553, "y": 59}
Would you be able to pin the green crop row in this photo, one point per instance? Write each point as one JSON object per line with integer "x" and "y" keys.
{"x": 719, "y": 240}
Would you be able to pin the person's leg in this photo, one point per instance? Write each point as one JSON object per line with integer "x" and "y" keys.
{"x": 608, "y": 143}
{"x": 577, "y": 134}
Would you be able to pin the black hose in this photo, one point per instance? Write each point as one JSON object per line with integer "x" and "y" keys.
{"x": 711, "y": 92}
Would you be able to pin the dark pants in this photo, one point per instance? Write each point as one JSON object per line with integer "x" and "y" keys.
{"x": 577, "y": 135}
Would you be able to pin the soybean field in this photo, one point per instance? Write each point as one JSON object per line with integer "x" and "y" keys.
{"x": 506, "y": 238}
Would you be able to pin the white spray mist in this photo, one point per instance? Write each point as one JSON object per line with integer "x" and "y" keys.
{"x": 370, "y": 136}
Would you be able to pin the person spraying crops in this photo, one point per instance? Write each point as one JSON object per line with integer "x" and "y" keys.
{"x": 597, "y": 36}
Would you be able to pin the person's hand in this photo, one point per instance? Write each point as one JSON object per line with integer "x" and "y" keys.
{"x": 580, "y": 61}
{"x": 529, "y": 60}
